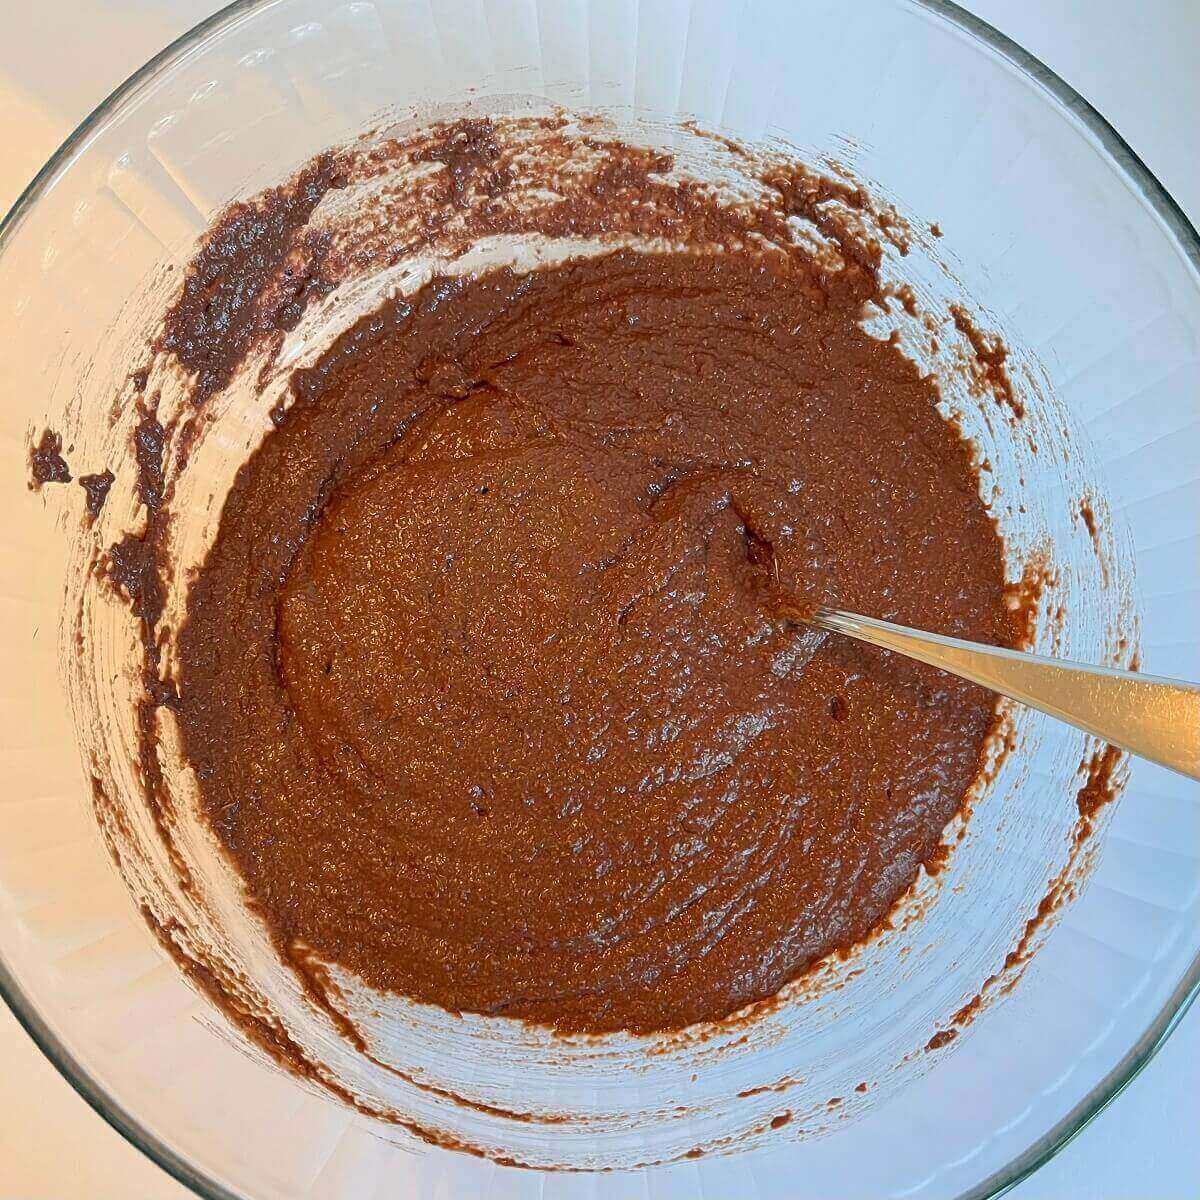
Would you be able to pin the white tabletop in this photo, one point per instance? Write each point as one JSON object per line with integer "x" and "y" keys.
{"x": 1138, "y": 63}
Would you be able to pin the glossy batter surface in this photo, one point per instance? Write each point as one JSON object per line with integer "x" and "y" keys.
{"x": 481, "y": 680}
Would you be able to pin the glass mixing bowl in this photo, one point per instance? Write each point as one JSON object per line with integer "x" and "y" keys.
{"x": 1082, "y": 261}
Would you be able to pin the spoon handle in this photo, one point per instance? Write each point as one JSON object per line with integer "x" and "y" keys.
{"x": 1149, "y": 715}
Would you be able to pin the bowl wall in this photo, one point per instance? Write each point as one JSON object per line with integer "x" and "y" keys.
{"x": 1095, "y": 294}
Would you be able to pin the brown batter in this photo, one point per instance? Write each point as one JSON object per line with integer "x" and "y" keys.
{"x": 481, "y": 680}
{"x": 46, "y": 462}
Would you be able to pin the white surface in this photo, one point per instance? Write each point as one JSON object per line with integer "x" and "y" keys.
{"x": 62, "y": 57}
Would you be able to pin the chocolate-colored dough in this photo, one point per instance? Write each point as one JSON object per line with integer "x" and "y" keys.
{"x": 481, "y": 680}
{"x": 96, "y": 487}
{"x": 46, "y": 462}
{"x": 235, "y": 289}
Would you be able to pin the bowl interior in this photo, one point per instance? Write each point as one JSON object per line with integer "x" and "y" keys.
{"x": 1045, "y": 237}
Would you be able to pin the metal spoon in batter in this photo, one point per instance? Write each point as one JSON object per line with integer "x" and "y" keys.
{"x": 1148, "y": 715}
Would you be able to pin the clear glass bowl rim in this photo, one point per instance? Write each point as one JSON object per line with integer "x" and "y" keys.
{"x": 1144, "y": 183}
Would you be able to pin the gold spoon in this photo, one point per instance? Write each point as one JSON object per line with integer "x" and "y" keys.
{"x": 1148, "y": 715}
